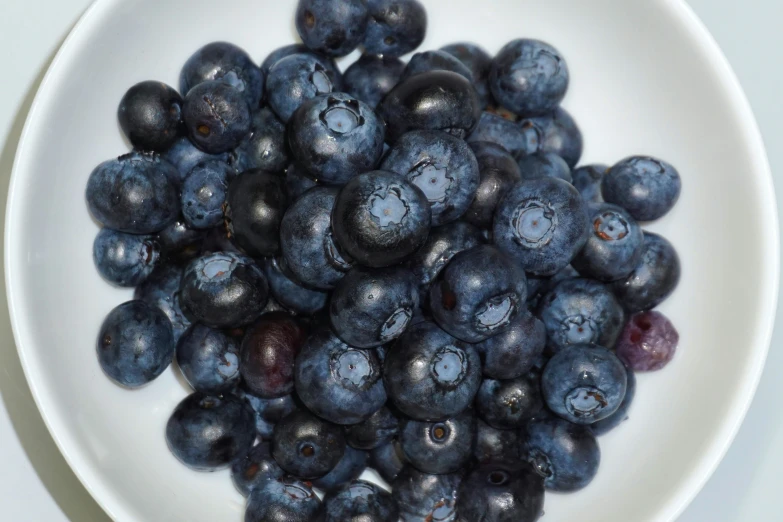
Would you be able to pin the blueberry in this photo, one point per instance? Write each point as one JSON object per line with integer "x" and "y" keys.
{"x": 494, "y": 445}
{"x": 225, "y": 62}
{"x": 209, "y": 359}
{"x": 125, "y": 259}
{"x": 508, "y": 404}
{"x": 388, "y": 460}
{"x": 556, "y": 132}
{"x": 375, "y": 431}
{"x": 435, "y": 100}
{"x": 426, "y": 498}
{"x": 267, "y": 355}
{"x": 307, "y": 446}
{"x": 439, "y": 447}
{"x": 265, "y": 147}
{"x": 204, "y": 193}
{"x": 580, "y": 311}
{"x": 587, "y": 181}
{"x": 584, "y": 384}
{"x": 207, "y": 433}
{"x": 371, "y": 307}
{"x": 135, "y": 344}
{"x": 542, "y": 223}
{"x": 615, "y": 245}
{"x": 478, "y": 294}
{"x": 512, "y": 352}
{"x": 442, "y": 244}
{"x": 612, "y": 421}
{"x": 348, "y": 469}
{"x": 429, "y": 375}
{"x": 217, "y": 116}
{"x": 161, "y": 289}
{"x": 653, "y": 279}
{"x": 544, "y": 284}
{"x": 150, "y": 115}
{"x": 496, "y": 129}
{"x": 442, "y": 166}
{"x": 287, "y": 50}
{"x": 284, "y": 499}
{"x": 544, "y": 165}
{"x": 223, "y": 290}
{"x": 331, "y": 27}
{"x": 218, "y": 240}
{"x": 371, "y": 77}
{"x": 179, "y": 241}
{"x": 436, "y": 61}
{"x": 133, "y": 194}
{"x": 335, "y": 137}
{"x": 254, "y": 469}
{"x": 268, "y": 411}
{"x": 184, "y": 156}
{"x": 498, "y": 172}
{"x": 646, "y": 187}
{"x": 498, "y": 492}
{"x": 306, "y": 240}
{"x": 478, "y": 61}
{"x": 254, "y": 208}
{"x": 648, "y": 341}
{"x": 297, "y": 182}
{"x": 564, "y": 454}
{"x": 380, "y": 219}
{"x": 360, "y": 500}
{"x": 395, "y": 27}
{"x": 296, "y": 79}
{"x": 337, "y": 382}
{"x": 528, "y": 77}
{"x": 289, "y": 292}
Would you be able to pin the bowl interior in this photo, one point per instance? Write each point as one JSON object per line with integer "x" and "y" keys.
{"x": 646, "y": 78}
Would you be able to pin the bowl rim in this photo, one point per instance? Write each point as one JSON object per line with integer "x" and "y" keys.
{"x": 714, "y": 451}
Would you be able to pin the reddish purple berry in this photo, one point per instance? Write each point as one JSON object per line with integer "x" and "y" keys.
{"x": 648, "y": 342}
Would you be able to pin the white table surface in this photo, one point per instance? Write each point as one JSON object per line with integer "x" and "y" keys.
{"x": 35, "y": 482}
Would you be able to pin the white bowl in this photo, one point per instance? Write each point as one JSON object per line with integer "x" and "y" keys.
{"x": 646, "y": 78}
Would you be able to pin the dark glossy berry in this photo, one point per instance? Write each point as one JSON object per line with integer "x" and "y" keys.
{"x": 161, "y": 290}
{"x": 442, "y": 166}
{"x": 265, "y": 147}
{"x": 133, "y": 193}
{"x": 297, "y": 182}
{"x": 646, "y": 187}
{"x": 150, "y": 115}
{"x": 297, "y": 78}
{"x": 331, "y": 27}
{"x": 442, "y": 244}
{"x": 541, "y": 223}
{"x": 268, "y": 412}
{"x": 125, "y": 259}
{"x": 360, "y": 500}
{"x": 184, "y": 155}
{"x": 284, "y": 499}
{"x": 207, "y": 432}
{"x": 478, "y": 61}
{"x": 307, "y": 446}
{"x": 544, "y": 165}
{"x": 528, "y": 77}
{"x": 209, "y": 359}
{"x": 615, "y": 245}
{"x": 564, "y": 454}
{"x": 556, "y": 132}
{"x": 336, "y": 137}
{"x": 612, "y": 421}
{"x": 499, "y": 492}
{"x": 426, "y": 498}
{"x": 497, "y": 129}
{"x": 435, "y": 61}
{"x": 494, "y": 445}
{"x": 395, "y": 27}
{"x": 267, "y": 356}
{"x": 513, "y": 352}
{"x": 225, "y": 62}
{"x": 298, "y": 48}
{"x": 255, "y": 206}
{"x": 204, "y": 194}
{"x": 508, "y": 404}
{"x": 223, "y": 290}
{"x": 498, "y": 172}
{"x": 439, "y": 447}
{"x": 337, "y": 382}
{"x": 371, "y": 77}
{"x": 648, "y": 342}
{"x": 217, "y": 116}
{"x": 479, "y": 293}
{"x": 179, "y": 241}
{"x": 653, "y": 279}
{"x": 430, "y": 375}
{"x": 580, "y": 311}
{"x": 584, "y": 384}
{"x": 376, "y": 430}
{"x": 289, "y": 292}
{"x": 135, "y": 344}
{"x": 587, "y": 181}
{"x": 371, "y": 307}
{"x": 435, "y": 100}
{"x": 388, "y": 460}
{"x": 218, "y": 240}
{"x": 380, "y": 219}
{"x": 254, "y": 469}
{"x": 348, "y": 469}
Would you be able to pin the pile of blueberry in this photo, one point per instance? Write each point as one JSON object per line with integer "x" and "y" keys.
{"x": 396, "y": 266}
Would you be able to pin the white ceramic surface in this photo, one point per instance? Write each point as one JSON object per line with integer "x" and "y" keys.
{"x": 652, "y": 81}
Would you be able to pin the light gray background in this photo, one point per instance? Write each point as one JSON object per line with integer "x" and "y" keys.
{"x": 36, "y": 483}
